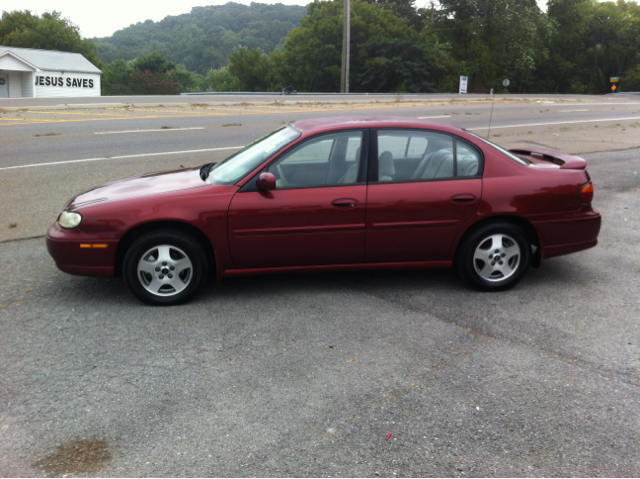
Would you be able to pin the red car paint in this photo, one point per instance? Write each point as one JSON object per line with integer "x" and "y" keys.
{"x": 367, "y": 225}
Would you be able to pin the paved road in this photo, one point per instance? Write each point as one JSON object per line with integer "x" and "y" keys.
{"x": 308, "y": 375}
{"x": 42, "y": 136}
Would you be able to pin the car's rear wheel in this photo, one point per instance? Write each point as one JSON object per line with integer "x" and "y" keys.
{"x": 165, "y": 267}
{"x": 494, "y": 257}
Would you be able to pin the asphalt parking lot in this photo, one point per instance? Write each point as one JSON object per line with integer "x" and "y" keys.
{"x": 391, "y": 374}
{"x": 308, "y": 375}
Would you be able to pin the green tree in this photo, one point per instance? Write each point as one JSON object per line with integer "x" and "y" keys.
{"x": 154, "y": 62}
{"x": 151, "y": 74}
{"x": 614, "y": 41}
{"x": 567, "y": 49}
{"x": 631, "y": 80}
{"x": 312, "y": 55}
{"x": 49, "y": 32}
{"x": 204, "y": 38}
{"x": 395, "y": 66}
{"x": 220, "y": 80}
{"x": 116, "y": 78}
{"x": 496, "y": 39}
{"x": 404, "y": 9}
{"x": 251, "y": 67}
{"x": 593, "y": 42}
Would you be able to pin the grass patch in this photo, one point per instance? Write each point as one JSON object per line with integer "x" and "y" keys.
{"x": 232, "y": 124}
{"x": 168, "y": 127}
{"x": 48, "y": 134}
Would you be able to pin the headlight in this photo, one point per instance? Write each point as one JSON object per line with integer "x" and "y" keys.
{"x": 69, "y": 219}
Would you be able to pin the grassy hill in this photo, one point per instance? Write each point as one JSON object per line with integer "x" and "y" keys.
{"x": 204, "y": 38}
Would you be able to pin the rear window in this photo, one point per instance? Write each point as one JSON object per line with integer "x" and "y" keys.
{"x": 522, "y": 161}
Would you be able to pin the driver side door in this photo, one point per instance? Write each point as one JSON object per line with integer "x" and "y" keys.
{"x": 316, "y": 214}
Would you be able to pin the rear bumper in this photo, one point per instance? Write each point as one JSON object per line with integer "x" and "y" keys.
{"x": 78, "y": 254}
{"x": 564, "y": 234}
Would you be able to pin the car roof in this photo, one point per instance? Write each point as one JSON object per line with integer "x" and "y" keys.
{"x": 319, "y": 125}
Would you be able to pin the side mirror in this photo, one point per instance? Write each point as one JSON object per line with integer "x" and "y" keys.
{"x": 266, "y": 181}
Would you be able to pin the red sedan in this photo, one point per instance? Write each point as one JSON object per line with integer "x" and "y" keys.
{"x": 334, "y": 194}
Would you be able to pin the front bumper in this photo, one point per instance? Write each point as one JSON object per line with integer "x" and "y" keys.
{"x": 81, "y": 254}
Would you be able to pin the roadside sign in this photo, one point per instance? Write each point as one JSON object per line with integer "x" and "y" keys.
{"x": 613, "y": 87}
{"x": 614, "y": 79}
{"x": 463, "y": 85}
{"x": 506, "y": 82}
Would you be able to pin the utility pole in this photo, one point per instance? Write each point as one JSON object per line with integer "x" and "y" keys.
{"x": 346, "y": 48}
{"x": 431, "y": 13}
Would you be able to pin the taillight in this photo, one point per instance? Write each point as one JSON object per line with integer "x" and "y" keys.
{"x": 586, "y": 193}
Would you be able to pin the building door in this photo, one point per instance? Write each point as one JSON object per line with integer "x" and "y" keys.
{"x": 4, "y": 85}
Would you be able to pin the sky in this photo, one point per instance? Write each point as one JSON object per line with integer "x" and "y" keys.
{"x": 102, "y": 19}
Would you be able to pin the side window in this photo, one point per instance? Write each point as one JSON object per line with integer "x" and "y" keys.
{"x": 326, "y": 160}
{"x": 395, "y": 142}
{"x": 418, "y": 155}
{"x": 468, "y": 159}
{"x": 417, "y": 146}
{"x": 414, "y": 155}
{"x": 353, "y": 149}
{"x": 313, "y": 151}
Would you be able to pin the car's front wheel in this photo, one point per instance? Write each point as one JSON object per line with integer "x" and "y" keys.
{"x": 165, "y": 267}
{"x": 494, "y": 257}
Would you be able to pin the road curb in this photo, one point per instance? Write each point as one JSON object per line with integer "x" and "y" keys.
{"x": 78, "y": 106}
{"x": 300, "y": 99}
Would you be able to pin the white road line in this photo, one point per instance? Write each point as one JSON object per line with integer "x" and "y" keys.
{"x": 146, "y": 131}
{"x": 569, "y": 111}
{"x": 121, "y": 157}
{"x": 554, "y": 123}
{"x": 432, "y": 117}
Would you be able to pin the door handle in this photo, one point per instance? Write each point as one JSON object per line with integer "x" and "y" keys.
{"x": 345, "y": 203}
{"x": 463, "y": 198}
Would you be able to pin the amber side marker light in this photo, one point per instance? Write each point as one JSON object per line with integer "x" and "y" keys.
{"x": 586, "y": 193}
{"x": 99, "y": 245}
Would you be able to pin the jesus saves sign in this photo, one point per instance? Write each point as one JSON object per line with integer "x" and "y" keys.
{"x": 42, "y": 80}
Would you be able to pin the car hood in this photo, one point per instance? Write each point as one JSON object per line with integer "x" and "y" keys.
{"x": 145, "y": 185}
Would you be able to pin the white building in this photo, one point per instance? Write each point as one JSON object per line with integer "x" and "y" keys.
{"x": 29, "y": 73}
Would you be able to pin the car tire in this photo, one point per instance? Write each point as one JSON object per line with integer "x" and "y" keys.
{"x": 494, "y": 257}
{"x": 165, "y": 267}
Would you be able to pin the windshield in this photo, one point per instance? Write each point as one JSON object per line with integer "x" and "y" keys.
{"x": 499, "y": 148}
{"x": 229, "y": 171}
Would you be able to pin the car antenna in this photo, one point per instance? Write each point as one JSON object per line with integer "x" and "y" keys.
{"x": 491, "y": 115}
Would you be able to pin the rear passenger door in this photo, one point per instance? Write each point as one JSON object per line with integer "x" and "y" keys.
{"x": 423, "y": 185}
